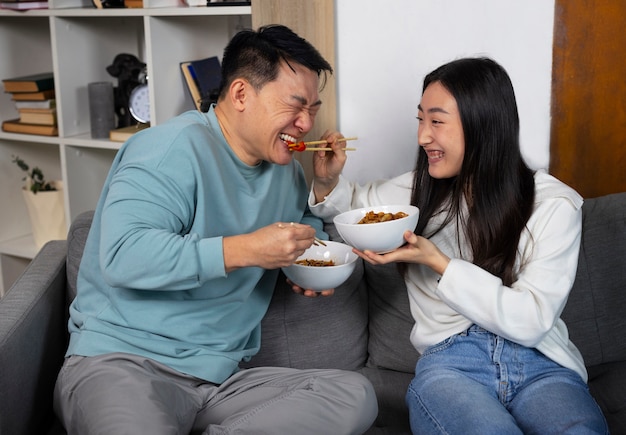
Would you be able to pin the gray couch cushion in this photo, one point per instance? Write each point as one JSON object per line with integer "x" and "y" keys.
{"x": 391, "y": 387}
{"x": 32, "y": 342}
{"x": 322, "y": 332}
{"x": 607, "y": 384}
{"x": 596, "y": 310}
{"x": 76, "y": 238}
{"x": 390, "y": 320}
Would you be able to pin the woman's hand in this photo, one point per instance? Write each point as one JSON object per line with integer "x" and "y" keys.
{"x": 327, "y": 166}
{"x": 418, "y": 250}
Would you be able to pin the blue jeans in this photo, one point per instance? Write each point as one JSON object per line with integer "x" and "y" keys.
{"x": 479, "y": 383}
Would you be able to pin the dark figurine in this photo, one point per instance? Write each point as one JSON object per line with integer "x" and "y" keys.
{"x": 107, "y": 4}
{"x": 130, "y": 72}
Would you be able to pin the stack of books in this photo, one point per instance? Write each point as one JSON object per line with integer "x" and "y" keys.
{"x": 34, "y": 100}
{"x": 23, "y": 5}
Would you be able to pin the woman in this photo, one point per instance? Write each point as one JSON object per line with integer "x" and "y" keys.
{"x": 488, "y": 268}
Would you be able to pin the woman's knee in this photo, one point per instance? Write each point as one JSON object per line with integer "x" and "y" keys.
{"x": 566, "y": 400}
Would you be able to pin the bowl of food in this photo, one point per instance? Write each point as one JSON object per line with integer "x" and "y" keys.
{"x": 376, "y": 228}
{"x": 322, "y": 267}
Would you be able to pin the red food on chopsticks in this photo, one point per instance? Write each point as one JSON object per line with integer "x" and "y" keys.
{"x": 296, "y": 146}
{"x": 306, "y": 146}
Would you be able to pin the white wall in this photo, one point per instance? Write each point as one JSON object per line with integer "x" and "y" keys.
{"x": 384, "y": 49}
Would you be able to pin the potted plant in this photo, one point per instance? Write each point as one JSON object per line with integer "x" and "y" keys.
{"x": 44, "y": 201}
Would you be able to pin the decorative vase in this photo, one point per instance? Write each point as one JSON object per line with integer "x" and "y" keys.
{"x": 47, "y": 214}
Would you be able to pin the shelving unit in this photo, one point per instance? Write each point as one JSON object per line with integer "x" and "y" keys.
{"x": 78, "y": 42}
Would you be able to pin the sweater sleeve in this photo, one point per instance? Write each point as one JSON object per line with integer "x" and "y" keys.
{"x": 348, "y": 195}
{"x": 528, "y": 310}
{"x": 147, "y": 212}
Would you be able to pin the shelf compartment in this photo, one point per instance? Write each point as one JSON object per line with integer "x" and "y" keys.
{"x": 172, "y": 40}
{"x": 22, "y": 247}
{"x": 13, "y": 213}
{"x": 86, "y": 170}
{"x": 83, "y": 48}
{"x": 12, "y": 266}
{"x": 20, "y": 38}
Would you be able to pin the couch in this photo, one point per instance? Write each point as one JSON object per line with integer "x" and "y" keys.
{"x": 364, "y": 327}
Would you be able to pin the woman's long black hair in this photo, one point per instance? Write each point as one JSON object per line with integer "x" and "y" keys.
{"x": 494, "y": 180}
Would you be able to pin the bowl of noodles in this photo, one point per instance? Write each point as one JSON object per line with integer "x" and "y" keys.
{"x": 376, "y": 228}
{"x": 322, "y": 267}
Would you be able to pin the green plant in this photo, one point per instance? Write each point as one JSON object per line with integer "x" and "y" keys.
{"x": 35, "y": 180}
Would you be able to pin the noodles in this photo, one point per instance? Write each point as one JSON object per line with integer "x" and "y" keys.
{"x": 372, "y": 217}
{"x": 315, "y": 263}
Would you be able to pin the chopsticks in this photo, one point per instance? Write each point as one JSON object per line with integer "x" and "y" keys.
{"x": 327, "y": 149}
{"x": 318, "y": 242}
{"x": 308, "y": 145}
{"x": 322, "y": 142}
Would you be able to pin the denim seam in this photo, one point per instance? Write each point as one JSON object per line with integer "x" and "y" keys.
{"x": 424, "y": 409}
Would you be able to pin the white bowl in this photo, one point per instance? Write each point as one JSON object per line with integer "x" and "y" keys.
{"x": 320, "y": 278}
{"x": 379, "y": 237}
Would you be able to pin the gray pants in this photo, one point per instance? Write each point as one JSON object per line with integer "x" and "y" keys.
{"x": 127, "y": 394}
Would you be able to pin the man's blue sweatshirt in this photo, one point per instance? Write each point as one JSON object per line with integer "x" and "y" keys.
{"x": 152, "y": 280}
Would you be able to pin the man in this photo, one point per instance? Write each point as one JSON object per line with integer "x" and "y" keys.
{"x": 195, "y": 219}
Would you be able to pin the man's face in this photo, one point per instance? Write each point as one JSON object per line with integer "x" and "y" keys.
{"x": 283, "y": 110}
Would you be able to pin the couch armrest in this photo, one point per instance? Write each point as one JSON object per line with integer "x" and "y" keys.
{"x": 33, "y": 338}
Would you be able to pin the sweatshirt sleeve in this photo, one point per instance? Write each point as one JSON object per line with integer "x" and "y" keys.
{"x": 147, "y": 212}
{"x": 348, "y": 195}
{"x": 526, "y": 311}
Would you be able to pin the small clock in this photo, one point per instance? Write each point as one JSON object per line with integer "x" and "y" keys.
{"x": 139, "y": 103}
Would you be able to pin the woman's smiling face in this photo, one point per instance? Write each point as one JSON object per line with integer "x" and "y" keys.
{"x": 440, "y": 132}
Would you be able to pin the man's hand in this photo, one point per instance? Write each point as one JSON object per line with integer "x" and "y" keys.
{"x": 308, "y": 292}
{"x": 271, "y": 247}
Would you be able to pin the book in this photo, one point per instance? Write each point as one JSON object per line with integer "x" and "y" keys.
{"x": 38, "y": 116}
{"x": 192, "y": 87}
{"x": 15, "y": 126}
{"x": 133, "y": 3}
{"x": 23, "y": 6}
{"x": 37, "y": 109}
{"x": 33, "y": 96}
{"x": 203, "y": 78}
{"x": 122, "y": 134}
{"x": 196, "y": 2}
{"x": 31, "y": 104}
{"x": 31, "y": 83}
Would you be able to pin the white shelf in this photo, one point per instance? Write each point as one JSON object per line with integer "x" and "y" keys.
{"x": 77, "y": 42}
{"x": 22, "y": 246}
{"x": 169, "y": 8}
{"x": 86, "y": 141}
{"x": 28, "y": 138}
